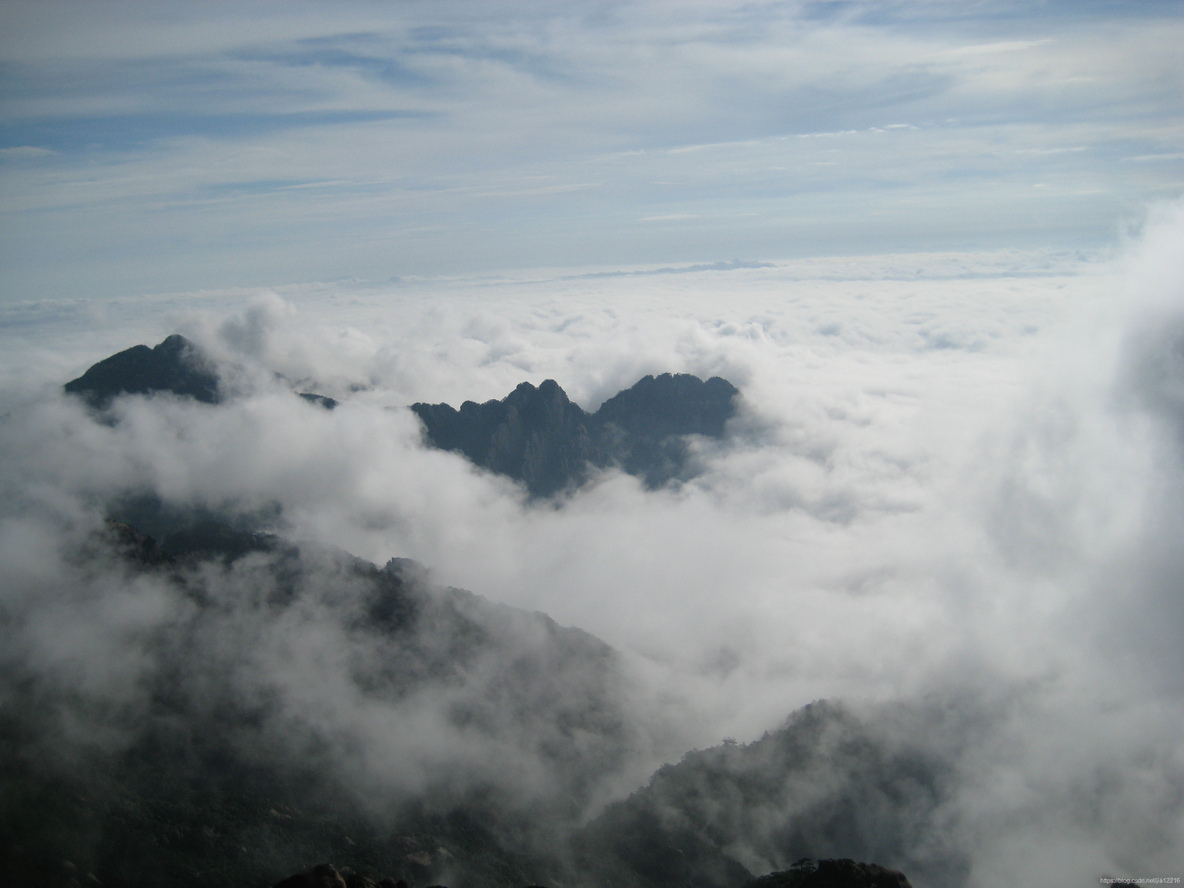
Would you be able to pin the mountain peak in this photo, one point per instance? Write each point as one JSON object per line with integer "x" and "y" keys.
{"x": 539, "y": 437}
{"x": 175, "y": 365}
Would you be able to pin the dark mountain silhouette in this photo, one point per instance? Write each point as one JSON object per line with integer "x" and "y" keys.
{"x": 533, "y": 435}
{"x": 805, "y": 873}
{"x": 826, "y": 784}
{"x": 320, "y": 400}
{"x": 245, "y": 749}
{"x": 219, "y": 780}
{"x": 175, "y": 365}
{"x": 159, "y": 519}
{"x": 841, "y": 873}
{"x": 223, "y": 777}
{"x": 539, "y": 437}
{"x": 536, "y": 436}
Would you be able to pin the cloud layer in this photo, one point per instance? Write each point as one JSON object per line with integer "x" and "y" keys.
{"x": 956, "y": 483}
{"x": 162, "y": 147}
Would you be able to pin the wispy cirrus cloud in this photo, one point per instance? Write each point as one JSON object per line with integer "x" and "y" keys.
{"x": 154, "y": 111}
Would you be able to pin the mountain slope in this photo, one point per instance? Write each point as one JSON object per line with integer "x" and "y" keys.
{"x": 536, "y": 436}
{"x": 283, "y": 703}
{"x": 827, "y": 784}
{"x": 280, "y": 704}
{"x": 175, "y": 365}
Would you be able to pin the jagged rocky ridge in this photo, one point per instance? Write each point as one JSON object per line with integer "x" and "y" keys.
{"x": 235, "y": 767}
{"x": 536, "y": 436}
{"x": 231, "y": 765}
{"x": 806, "y": 873}
{"x": 244, "y": 747}
{"x": 833, "y": 873}
{"x": 828, "y": 782}
{"x": 539, "y": 437}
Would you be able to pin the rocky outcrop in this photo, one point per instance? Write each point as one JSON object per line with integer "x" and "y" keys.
{"x": 825, "y": 784}
{"x": 841, "y": 873}
{"x": 175, "y": 365}
{"x": 319, "y": 400}
{"x": 539, "y": 437}
{"x": 648, "y": 423}
{"x": 320, "y": 876}
{"x": 325, "y": 876}
{"x": 226, "y": 775}
{"x": 209, "y": 539}
{"x": 534, "y": 435}
{"x": 671, "y": 404}
{"x": 135, "y": 547}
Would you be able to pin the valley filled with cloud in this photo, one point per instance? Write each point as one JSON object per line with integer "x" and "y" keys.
{"x": 949, "y": 502}
{"x": 919, "y": 604}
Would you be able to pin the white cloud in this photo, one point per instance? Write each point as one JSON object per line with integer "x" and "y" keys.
{"x": 141, "y": 198}
{"x": 958, "y": 475}
{"x": 24, "y": 151}
{"x": 932, "y": 494}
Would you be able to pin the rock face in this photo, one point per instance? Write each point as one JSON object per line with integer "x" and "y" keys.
{"x": 233, "y": 772}
{"x": 319, "y": 400}
{"x": 826, "y": 784}
{"x": 539, "y": 437}
{"x": 320, "y": 876}
{"x": 841, "y": 873}
{"x": 324, "y": 876}
{"x": 648, "y": 423}
{"x": 175, "y": 365}
{"x": 536, "y": 436}
{"x": 533, "y": 435}
{"x": 671, "y": 404}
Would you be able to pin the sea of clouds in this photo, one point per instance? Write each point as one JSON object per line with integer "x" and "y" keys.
{"x": 955, "y": 481}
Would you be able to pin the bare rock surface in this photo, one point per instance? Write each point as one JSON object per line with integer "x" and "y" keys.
{"x": 539, "y": 437}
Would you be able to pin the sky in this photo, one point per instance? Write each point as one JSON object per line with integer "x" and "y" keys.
{"x": 167, "y": 147}
{"x": 937, "y": 246}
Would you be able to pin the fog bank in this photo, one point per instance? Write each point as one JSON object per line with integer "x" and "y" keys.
{"x": 955, "y": 483}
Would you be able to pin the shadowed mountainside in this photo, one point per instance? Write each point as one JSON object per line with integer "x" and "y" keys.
{"x": 290, "y": 702}
{"x": 539, "y": 437}
{"x": 805, "y": 873}
{"x": 831, "y": 873}
{"x": 175, "y": 365}
{"x": 827, "y": 783}
{"x": 536, "y": 436}
{"x": 283, "y": 703}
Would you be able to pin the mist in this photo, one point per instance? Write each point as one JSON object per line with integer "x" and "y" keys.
{"x": 951, "y": 501}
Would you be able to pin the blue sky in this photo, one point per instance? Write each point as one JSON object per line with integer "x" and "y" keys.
{"x": 163, "y": 147}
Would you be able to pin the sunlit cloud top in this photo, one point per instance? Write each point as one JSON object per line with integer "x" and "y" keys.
{"x": 172, "y": 146}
